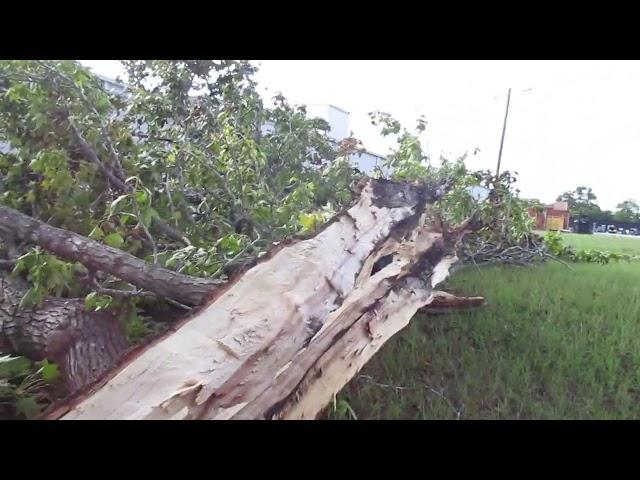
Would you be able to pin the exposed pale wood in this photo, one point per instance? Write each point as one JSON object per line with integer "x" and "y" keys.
{"x": 342, "y": 361}
{"x": 259, "y": 325}
{"x": 443, "y": 302}
{"x": 263, "y": 389}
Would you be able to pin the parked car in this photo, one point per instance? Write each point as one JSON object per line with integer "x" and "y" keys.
{"x": 611, "y": 229}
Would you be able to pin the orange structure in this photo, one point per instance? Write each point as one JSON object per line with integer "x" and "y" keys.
{"x": 552, "y": 217}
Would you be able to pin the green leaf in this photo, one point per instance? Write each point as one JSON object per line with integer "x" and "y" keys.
{"x": 96, "y": 233}
{"x": 141, "y": 197}
{"x": 6, "y": 389}
{"x": 114, "y": 240}
{"x": 30, "y": 197}
{"x": 37, "y": 164}
{"x": 96, "y": 302}
{"x": 309, "y": 222}
{"x": 89, "y": 300}
{"x": 135, "y": 327}
{"x": 229, "y": 244}
{"x": 32, "y": 297}
{"x": 103, "y": 103}
{"x": 125, "y": 217}
{"x": 81, "y": 78}
{"x": 15, "y": 93}
{"x": 148, "y": 216}
{"x": 343, "y": 409}
{"x": 117, "y": 202}
{"x": 50, "y": 371}
{"x": 27, "y": 406}
{"x": 14, "y": 366}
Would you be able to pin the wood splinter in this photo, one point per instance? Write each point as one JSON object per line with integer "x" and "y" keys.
{"x": 443, "y": 302}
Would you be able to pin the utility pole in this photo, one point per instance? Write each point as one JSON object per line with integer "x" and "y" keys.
{"x": 504, "y": 128}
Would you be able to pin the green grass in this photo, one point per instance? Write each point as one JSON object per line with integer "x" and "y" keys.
{"x": 550, "y": 343}
{"x": 612, "y": 243}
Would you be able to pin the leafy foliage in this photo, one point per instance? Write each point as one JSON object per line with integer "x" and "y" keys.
{"x": 48, "y": 276}
{"x": 23, "y": 386}
{"x": 628, "y": 211}
{"x": 178, "y": 170}
{"x": 408, "y": 160}
{"x": 582, "y": 202}
{"x": 503, "y": 215}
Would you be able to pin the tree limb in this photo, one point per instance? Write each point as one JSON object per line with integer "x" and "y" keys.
{"x": 115, "y": 293}
{"x": 96, "y": 256}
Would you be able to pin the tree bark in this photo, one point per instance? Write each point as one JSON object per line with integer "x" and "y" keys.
{"x": 288, "y": 334}
{"x": 98, "y": 257}
{"x": 84, "y": 344}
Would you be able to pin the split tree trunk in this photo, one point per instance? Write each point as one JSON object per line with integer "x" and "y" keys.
{"x": 285, "y": 337}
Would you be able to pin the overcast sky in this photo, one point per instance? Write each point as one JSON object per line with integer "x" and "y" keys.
{"x": 578, "y": 125}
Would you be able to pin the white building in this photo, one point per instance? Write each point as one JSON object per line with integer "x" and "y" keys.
{"x": 113, "y": 86}
{"x": 338, "y": 120}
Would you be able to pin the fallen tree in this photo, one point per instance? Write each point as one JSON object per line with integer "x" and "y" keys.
{"x": 284, "y": 337}
{"x": 96, "y": 214}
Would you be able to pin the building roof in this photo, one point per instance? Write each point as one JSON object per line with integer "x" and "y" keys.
{"x": 115, "y": 84}
{"x": 561, "y": 206}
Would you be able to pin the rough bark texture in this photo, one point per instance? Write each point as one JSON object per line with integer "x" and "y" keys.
{"x": 98, "y": 257}
{"x": 84, "y": 344}
{"x": 290, "y": 332}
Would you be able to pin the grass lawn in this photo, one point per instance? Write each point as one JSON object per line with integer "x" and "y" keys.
{"x": 613, "y": 243}
{"x": 550, "y": 343}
